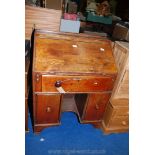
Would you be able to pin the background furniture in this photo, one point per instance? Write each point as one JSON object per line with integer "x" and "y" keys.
{"x": 53, "y": 4}
{"x": 99, "y": 19}
{"x": 41, "y": 18}
{"x": 116, "y": 117}
{"x": 76, "y": 65}
{"x": 121, "y": 32}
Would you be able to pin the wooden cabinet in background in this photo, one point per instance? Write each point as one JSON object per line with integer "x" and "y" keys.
{"x": 121, "y": 88}
{"x": 56, "y": 5}
{"x": 116, "y": 116}
{"x": 41, "y": 18}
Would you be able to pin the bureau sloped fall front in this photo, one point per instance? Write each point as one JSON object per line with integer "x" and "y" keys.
{"x": 73, "y": 66}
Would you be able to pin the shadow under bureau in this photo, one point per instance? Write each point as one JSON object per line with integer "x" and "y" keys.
{"x": 71, "y": 66}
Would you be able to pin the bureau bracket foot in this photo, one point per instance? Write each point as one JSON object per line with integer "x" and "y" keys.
{"x": 38, "y": 128}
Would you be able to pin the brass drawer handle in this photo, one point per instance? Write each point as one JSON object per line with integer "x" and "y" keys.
{"x": 124, "y": 123}
{"x": 48, "y": 109}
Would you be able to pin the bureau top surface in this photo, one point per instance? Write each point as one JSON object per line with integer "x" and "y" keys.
{"x": 72, "y": 54}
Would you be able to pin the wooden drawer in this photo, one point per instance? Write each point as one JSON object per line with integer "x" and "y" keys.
{"x": 77, "y": 83}
{"x": 120, "y": 102}
{"x": 47, "y": 108}
{"x": 121, "y": 111}
{"x": 114, "y": 112}
{"x": 119, "y": 122}
{"x": 95, "y": 107}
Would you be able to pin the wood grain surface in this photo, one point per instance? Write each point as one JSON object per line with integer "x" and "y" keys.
{"x": 41, "y": 18}
{"x": 121, "y": 87}
{"x": 58, "y": 54}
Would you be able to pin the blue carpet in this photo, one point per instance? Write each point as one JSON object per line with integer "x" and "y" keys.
{"x": 73, "y": 138}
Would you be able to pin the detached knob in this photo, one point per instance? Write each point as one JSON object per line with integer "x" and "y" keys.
{"x": 58, "y": 84}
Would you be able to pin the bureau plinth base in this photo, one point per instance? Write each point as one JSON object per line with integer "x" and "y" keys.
{"x": 39, "y": 127}
{"x": 68, "y": 105}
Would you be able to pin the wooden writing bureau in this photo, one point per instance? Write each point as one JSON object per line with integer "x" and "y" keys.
{"x": 76, "y": 66}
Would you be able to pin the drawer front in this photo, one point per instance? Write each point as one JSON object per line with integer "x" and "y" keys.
{"x": 77, "y": 84}
{"x": 47, "y": 108}
{"x": 119, "y": 122}
{"x": 121, "y": 111}
{"x": 119, "y": 102}
{"x": 115, "y": 111}
{"x": 95, "y": 107}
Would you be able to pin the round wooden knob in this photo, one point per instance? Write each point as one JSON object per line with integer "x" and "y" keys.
{"x": 124, "y": 123}
{"x": 58, "y": 84}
